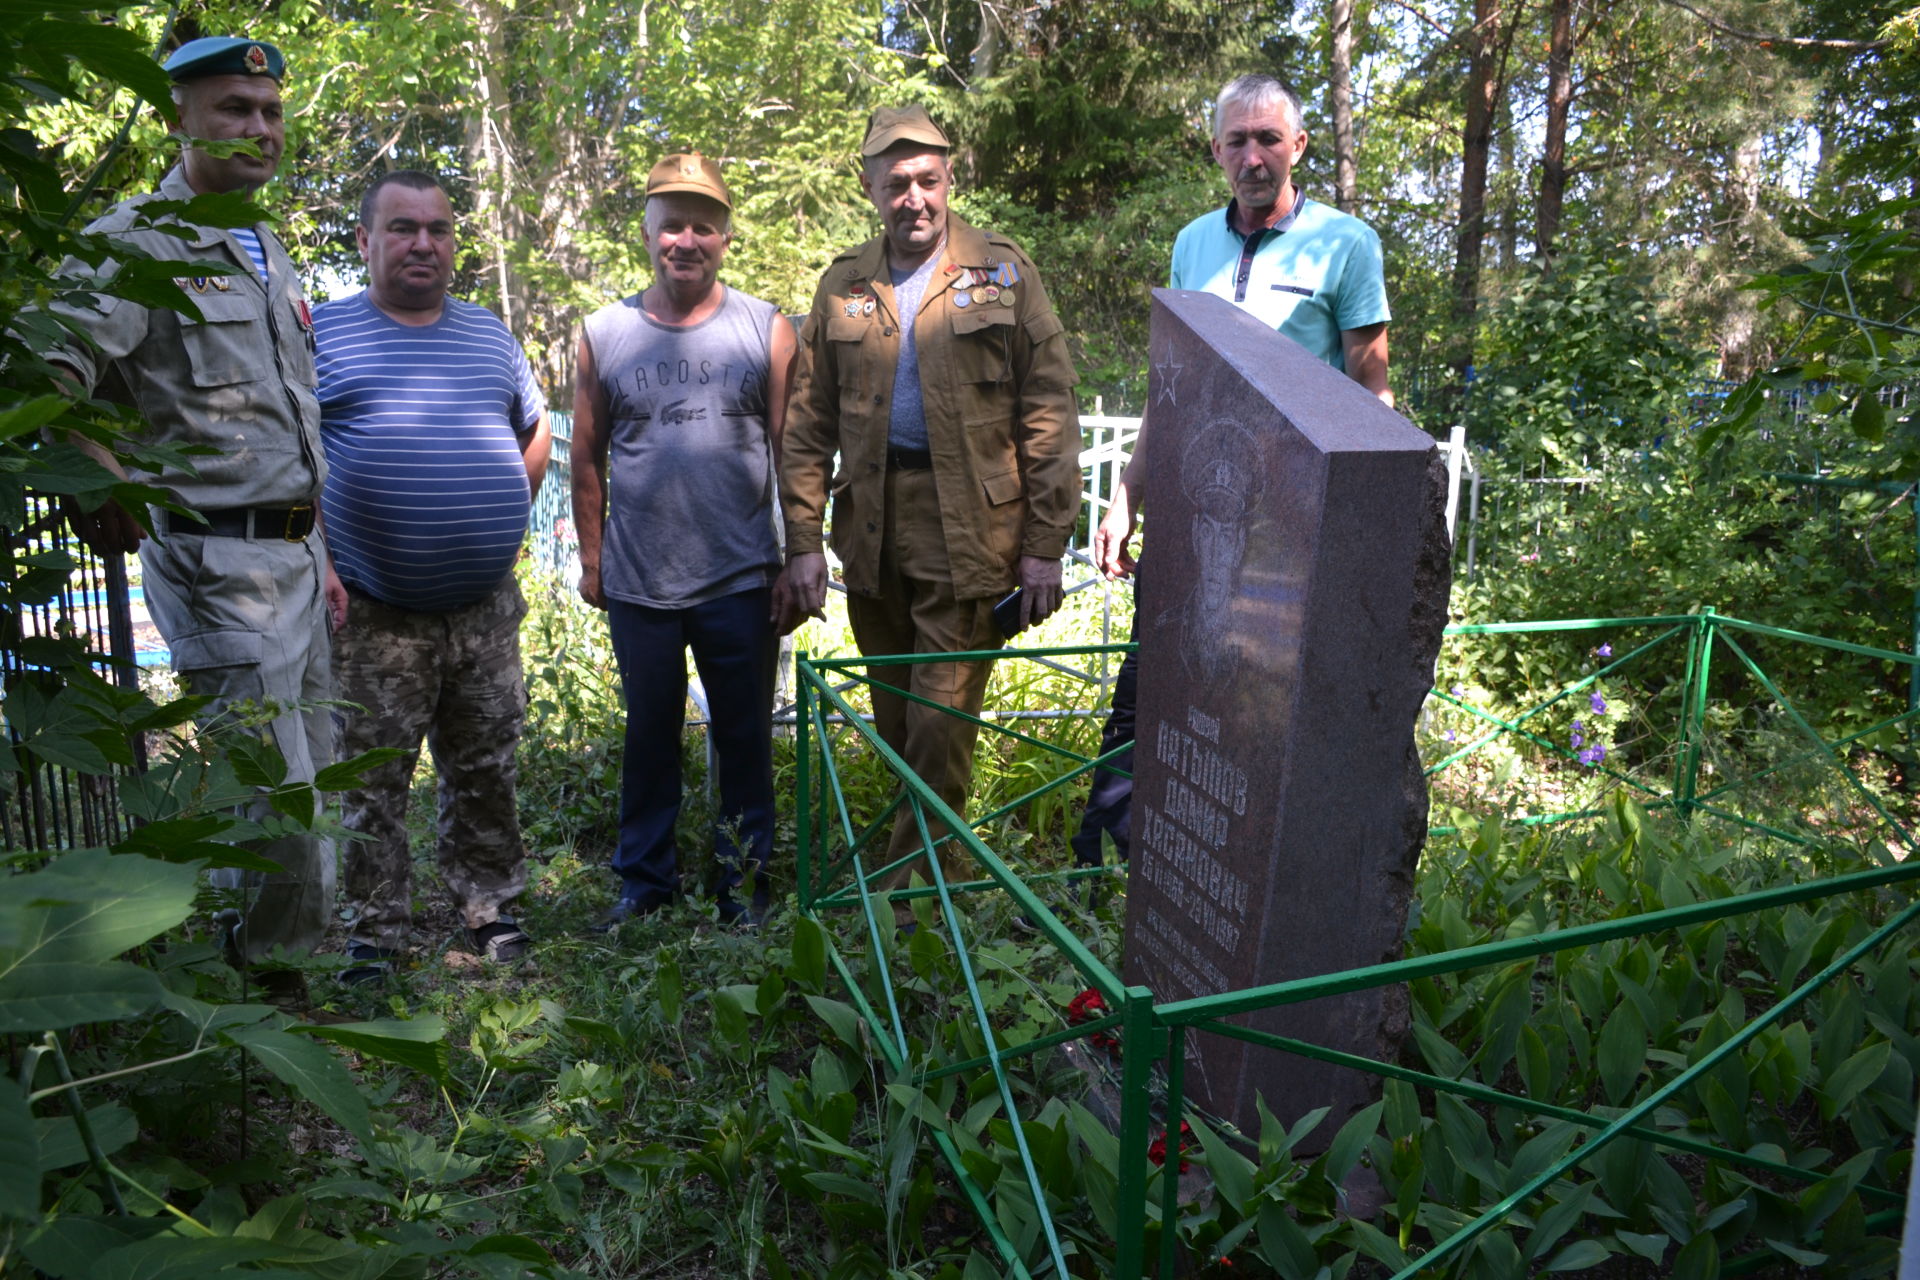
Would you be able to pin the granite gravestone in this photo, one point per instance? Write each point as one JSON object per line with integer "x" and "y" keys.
{"x": 1290, "y": 612}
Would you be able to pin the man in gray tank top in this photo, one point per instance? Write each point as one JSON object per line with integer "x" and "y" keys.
{"x": 678, "y": 405}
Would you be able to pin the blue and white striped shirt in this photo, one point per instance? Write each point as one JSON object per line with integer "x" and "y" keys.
{"x": 250, "y": 241}
{"x": 426, "y": 500}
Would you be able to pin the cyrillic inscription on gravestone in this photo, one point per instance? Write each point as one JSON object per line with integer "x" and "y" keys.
{"x": 1291, "y": 609}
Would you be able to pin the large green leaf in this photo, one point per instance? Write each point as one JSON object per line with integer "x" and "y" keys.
{"x": 1846, "y": 1081}
{"x": 110, "y": 52}
{"x": 1352, "y": 1139}
{"x": 90, "y": 906}
{"x": 418, "y": 1043}
{"x": 1232, "y": 1172}
{"x": 1282, "y": 1244}
{"x": 67, "y": 1247}
{"x": 1622, "y": 1052}
{"x": 313, "y": 1072}
{"x": 51, "y": 997}
{"x": 344, "y": 775}
{"x": 19, "y": 1155}
{"x": 1579, "y": 1256}
{"x": 60, "y": 1144}
{"x": 171, "y": 1257}
{"x": 841, "y": 1016}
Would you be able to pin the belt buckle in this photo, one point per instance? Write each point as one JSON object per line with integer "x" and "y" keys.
{"x": 294, "y": 521}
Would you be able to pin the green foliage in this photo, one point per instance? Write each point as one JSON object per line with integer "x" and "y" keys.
{"x": 1673, "y": 532}
{"x": 1856, "y": 352}
{"x": 1574, "y": 360}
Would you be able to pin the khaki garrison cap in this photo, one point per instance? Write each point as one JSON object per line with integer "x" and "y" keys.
{"x": 890, "y": 126}
{"x": 688, "y": 171}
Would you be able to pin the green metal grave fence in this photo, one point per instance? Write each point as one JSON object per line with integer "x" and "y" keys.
{"x": 838, "y": 869}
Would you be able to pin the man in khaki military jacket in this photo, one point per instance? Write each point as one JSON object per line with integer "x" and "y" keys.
{"x": 238, "y": 593}
{"x": 958, "y": 444}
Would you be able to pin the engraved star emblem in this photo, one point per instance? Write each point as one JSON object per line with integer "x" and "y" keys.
{"x": 1169, "y": 374}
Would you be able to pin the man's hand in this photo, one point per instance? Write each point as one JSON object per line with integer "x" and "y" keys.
{"x": 783, "y": 614}
{"x": 590, "y": 584}
{"x": 1040, "y": 577}
{"x": 335, "y": 592}
{"x": 107, "y": 530}
{"x": 1111, "y": 539}
{"x": 806, "y": 579}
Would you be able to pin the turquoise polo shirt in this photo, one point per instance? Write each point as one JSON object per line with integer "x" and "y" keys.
{"x": 1315, "y": 273}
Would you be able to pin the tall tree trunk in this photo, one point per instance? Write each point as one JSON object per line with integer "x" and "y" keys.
{"x": 486, "y": 149}
{"x": 1553, "y": 161}
{"x": 1346, "y": 193}
{"x": 1488, "y": 43}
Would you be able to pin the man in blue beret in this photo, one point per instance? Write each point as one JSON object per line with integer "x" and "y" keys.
{"x": 240, "y": 589}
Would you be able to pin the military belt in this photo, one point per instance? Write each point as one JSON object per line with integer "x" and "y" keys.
{"x": 288, "y": 524}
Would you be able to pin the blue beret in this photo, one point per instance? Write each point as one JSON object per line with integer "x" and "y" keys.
{"x": 225, "y": 56}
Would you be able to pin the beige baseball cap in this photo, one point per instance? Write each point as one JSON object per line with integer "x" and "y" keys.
{"x": 889, "y": 126}
{"x": 688, "y": 171}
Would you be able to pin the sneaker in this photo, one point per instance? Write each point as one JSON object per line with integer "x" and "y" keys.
{"x": 502, "y": 942}
{"x": 370, "y": 964}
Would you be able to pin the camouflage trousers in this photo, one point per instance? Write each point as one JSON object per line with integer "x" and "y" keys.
{"x": 454, "y": 677}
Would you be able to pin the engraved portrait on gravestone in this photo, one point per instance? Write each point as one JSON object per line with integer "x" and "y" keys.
{"x": 1222, "y": 473}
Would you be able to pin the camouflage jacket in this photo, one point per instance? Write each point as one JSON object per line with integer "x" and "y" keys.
{"x": 239, "y": 379}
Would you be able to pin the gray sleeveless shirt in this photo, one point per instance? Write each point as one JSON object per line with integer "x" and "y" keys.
{"x": 690, "y": 514}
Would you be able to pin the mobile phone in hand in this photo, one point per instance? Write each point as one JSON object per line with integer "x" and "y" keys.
{"x": 1006, "y": 614}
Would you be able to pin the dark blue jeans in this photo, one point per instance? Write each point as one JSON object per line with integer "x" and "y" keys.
{"x": 733, "y": 649}
{"x": 1110, "y": 801}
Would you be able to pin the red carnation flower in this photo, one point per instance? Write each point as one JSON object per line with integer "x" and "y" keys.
{"x": 1157, "y": 1151}
{"x": 1086, "y": 1007}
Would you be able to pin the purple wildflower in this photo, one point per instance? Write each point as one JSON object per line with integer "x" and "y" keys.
{"x": 1458, "y": 691}
{"x": 1448, "y": 735}
{"x": 1604, "y": 651}
{"x": 1599, "y": 704}
{"x": 1578, "y": 727}
{"x": 1593, "y": 754}
{"x": 1577, "y": 739}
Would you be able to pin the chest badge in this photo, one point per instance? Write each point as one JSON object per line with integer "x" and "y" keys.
{"x": 962, "y": 298}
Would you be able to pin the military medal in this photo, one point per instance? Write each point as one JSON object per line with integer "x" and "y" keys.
{"x": 858, "y": 288}
{"x": 992, "y": 292}
{"x": 866, "y": 308}
{"x": 220, "y": 283}
{"x": 961, "y": 298}
{"x": 851, "y": 310}
{"x": 199, "y": 284}
{"x": 1006, "y": 297}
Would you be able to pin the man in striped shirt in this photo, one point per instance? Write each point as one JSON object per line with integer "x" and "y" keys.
{"x": 436, "y": 441}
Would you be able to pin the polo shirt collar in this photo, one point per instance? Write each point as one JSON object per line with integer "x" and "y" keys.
{"x": 1285, "y": 224}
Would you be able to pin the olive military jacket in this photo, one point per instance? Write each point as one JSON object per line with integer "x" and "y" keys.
{"x": 240, "y": 379}
{"x": 1002, "y": 425}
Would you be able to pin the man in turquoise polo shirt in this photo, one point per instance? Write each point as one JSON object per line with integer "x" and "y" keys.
{"x": 1313, "y": 273}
